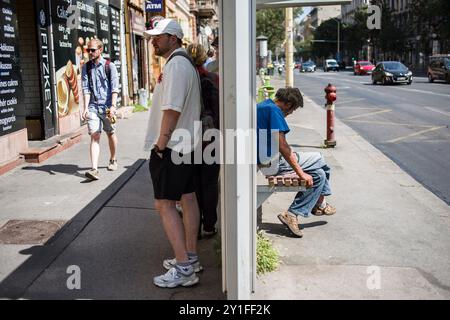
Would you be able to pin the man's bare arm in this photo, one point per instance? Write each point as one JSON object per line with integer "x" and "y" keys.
{"x": 168, "y": 125}
{"x": 87, "y": 99}
{"x": 291, "y": 158}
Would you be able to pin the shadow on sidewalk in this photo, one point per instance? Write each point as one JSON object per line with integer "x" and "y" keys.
{"x": 281, "y": 230}
{"x": 69, "y": 169}
{"x": 111, "y": 249}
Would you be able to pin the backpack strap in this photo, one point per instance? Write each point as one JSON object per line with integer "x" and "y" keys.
{"x": 108, "y": 70}
{"x": 89, "y": 66}
{"x": 183, "y": 54}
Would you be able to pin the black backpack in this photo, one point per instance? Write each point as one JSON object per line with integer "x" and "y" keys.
{"x": 209, "y": 96}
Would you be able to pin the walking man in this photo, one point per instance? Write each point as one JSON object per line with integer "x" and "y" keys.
{"x": 100, "y": 90}
{"x": 309, "y": 166}
{"x": 176, "y": 106}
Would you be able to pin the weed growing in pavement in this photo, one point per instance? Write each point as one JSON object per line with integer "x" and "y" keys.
{"x": 267, "y": 259}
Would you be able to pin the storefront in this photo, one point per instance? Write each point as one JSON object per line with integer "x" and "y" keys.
{"x": 137, "y": 49}
{"x": 45, "y": 79}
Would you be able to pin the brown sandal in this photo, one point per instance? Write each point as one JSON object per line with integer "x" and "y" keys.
{"x": 329, "y": 210}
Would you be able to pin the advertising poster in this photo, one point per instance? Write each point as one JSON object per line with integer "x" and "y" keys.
{"x": 12, "y": 111}
{"x": 74, "y": 24}
{"x": 68, "y": 55}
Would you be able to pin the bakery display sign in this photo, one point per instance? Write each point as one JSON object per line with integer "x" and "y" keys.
{"x": 12, "y": 111}
{"x": 74, "y": 24}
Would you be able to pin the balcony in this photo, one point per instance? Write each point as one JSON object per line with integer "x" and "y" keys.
{"x": 206, "y": 8}
{"x": 193, "y": 6}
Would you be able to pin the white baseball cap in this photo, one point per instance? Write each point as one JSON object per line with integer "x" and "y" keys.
{"x": 166, "y": 26}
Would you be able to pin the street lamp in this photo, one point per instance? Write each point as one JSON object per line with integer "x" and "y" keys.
{"x": 262, "y": 50}
{"x": 338, "y": 55}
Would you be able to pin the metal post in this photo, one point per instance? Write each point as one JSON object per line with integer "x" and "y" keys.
{"x": 339, "y": 40}
{"x": 289, "y": 47}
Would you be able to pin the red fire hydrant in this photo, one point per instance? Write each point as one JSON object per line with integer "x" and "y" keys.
{"x": 331, "y": 96}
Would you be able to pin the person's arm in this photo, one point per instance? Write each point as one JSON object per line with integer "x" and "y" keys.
{"x": 291, "y": 158}
{"x": 168, "y": 125}
{"x": 114, "y": 87}
{"x": 86, "y": 91}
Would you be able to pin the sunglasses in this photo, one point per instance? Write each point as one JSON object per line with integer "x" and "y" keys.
{"x": 92, "y": 50}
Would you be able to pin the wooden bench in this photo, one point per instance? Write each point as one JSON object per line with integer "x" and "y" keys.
{"x": 281, "y": 183}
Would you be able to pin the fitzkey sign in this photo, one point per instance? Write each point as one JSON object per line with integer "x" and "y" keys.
{"x": 154, "y": 6}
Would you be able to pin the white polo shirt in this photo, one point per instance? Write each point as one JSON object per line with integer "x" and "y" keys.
{"x": 178, "y": 90}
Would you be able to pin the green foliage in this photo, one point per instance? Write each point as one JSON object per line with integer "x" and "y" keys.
{"x": 267, "y": 259}
{"x": 139, "y": 108}
{"x": 326, "y": 31}
{"x": 270, "y": 23}
{"x": 431, "y": 17}
{"x": 355, "y": 35}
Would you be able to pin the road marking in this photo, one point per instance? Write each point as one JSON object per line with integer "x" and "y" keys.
{"x": 422, "y": 91}
{"x": 356, "y": 107}
{"x": 438, "y": 111}
{"x": 391, "y": 123}
{"x": 351, "y": 100}
{"x": 368, "y": 114}
{"x": 415, "y": 134}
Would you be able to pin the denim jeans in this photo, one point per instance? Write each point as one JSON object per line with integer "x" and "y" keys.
{"x": 313, "y": 164}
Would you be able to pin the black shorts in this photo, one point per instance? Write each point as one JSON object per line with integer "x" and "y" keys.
{"x": 171, "y": 181}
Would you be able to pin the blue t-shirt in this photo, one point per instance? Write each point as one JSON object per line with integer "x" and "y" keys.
{"x": 270, "y": 120}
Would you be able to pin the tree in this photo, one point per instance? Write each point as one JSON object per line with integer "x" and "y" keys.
{"x": 432, "y": 17}
{"x": 356, "y": 35}
{"x": 270, "y": 23}
{"x": 327, "y": 32}
{"x": 391, "y": 39}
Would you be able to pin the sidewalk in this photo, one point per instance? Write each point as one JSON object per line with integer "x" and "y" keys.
{"x": 111, "y": 230}
{"x": 387, "y": 224}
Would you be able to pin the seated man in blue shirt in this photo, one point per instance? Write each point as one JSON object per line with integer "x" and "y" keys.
{"x": 309, "y": 166}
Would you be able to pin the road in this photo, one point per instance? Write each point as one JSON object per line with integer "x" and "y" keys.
{"x": 409, "y": 124}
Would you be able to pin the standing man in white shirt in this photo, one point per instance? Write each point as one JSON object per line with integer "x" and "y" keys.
{"x": 176, "y": 106}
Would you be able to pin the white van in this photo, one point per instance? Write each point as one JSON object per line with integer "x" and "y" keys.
{"x": 331, "y": 64}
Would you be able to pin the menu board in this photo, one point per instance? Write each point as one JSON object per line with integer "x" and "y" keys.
{"x": 12, "y": 110}
{"x": 104, "y": 28}
{"x": 116, "y": 45}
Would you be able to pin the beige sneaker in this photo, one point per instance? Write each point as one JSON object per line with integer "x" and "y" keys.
{"x": 290, "y": 221}
{"x": 112, "y": 166}
{"x": 92, "y": 174}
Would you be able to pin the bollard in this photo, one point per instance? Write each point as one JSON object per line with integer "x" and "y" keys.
{"x": 331, "y": 96}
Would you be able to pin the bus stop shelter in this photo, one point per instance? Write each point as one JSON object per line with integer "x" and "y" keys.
{"x": 238, "y": 147}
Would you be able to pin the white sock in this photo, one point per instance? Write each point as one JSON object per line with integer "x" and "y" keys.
{"x": 323, "y": 204}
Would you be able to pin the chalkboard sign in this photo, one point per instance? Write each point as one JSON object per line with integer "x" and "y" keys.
{"x": 12, "y": 110}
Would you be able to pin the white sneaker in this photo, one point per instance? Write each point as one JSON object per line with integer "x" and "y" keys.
{"x": 170, "y": 263}
{"x": 174, "y": 278}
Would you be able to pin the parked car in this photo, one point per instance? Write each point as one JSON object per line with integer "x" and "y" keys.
{"x": 391, "y": 72}
{"x": 330, "y": 64}
{"x": 308, "y": 66}
{"x": 439, "y": 68}
{"x": 363, "y": 67}
{"x": 297, "y": 65}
